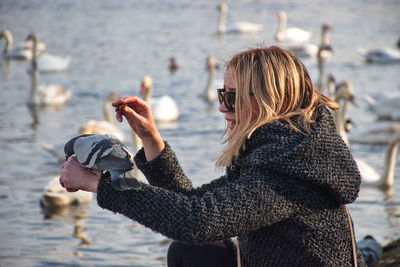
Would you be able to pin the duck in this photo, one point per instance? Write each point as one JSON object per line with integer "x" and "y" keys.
{"x": 173, "y": 65}
{"x": 210, "y": 92}
{"x": 293, "y": 34}
{"x": 106, "y": 126}
{"x": 164, "y": 108}
{"x": 55, "y": 196}
{"x": 305, "y": 50}
{"x": 385, "y": 180}
{"x": 241, "y": 27}
{"x": 47, "y": 94}
{"x": 47, "y": 62}
{"x": 22, "y": 51}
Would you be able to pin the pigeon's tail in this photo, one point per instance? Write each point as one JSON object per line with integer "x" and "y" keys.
{"x": 124, "y": 179}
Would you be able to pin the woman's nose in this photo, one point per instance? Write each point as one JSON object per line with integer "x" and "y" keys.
{"x": 222, "y": 107}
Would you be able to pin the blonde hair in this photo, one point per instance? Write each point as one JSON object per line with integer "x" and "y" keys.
{"x": 282, "y": 88}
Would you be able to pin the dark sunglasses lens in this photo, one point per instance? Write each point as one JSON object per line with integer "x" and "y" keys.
{"x": 230, "y": 101}
{"x": 220, "y": 96}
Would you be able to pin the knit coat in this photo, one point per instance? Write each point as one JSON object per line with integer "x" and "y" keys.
{"x": 282, "y": 197}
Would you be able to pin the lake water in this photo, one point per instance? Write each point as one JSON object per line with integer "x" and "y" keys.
{"x": 112, "y": 45}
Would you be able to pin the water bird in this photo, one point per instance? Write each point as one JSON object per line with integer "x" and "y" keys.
{"x": 47, "y": 94}
{"x": 238, "y": 27}
{"x": 164, "y": 108}
{"x": 384, "y": 180}
{"x": 106, "y": 126}
{"x": 305, "y": 50}
{"x": 292, "y": 34}
{"x": 385, "y": 104}
{"x": 22, "y": 51}
{"x": 344, "y": 94}
{"x": 384, "y": 55}
{"x": 210, "y": 93}
{"x": 55, "y": 196}
{"x": 103, "y": 152}
{"x": 375, "y": 133}
{"x": 173, "y": 65}
{"x": 322, "y": 56}
{"x": 47, "y": 62}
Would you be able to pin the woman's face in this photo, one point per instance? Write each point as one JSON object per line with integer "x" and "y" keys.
{"x": 229, "y": 86}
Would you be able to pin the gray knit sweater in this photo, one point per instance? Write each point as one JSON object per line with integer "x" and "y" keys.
{"x": 283, "y": 197}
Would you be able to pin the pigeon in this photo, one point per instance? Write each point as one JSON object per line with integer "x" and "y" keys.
{"x": 101, "y": 153}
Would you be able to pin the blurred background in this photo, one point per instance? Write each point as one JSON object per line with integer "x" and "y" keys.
{"x": 99, "y": 47}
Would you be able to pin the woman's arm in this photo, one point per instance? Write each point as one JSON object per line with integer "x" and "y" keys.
{"x": 212, "y": 212}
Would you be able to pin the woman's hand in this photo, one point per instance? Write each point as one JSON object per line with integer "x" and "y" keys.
{"x": 74, "y": 177}
{"x": 140, "y": 118}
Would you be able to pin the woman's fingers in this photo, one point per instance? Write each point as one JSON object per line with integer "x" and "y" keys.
{"x": 129, "y": 100}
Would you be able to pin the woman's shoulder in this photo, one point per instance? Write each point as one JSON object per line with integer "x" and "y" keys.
{"x": 277, "y": 140}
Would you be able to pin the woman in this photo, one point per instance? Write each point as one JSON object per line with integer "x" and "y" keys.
{"x": 288, "y": 175}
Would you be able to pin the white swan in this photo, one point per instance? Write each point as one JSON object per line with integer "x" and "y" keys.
{"x": 164, "y": 108}
{"x": 47, "y": 94}
{"x": 238, "y": 27}
{"x": 322, "y": 56}
{"x": 54, "y": 196}
{"x": 376, "y": 133}
{"x": 343, "y": 95}
{"x": 22, "y": 50}
{"x": 305, "y": 50}
{"x": 386, "y": 107}
{"x": 385, "y": 55}
{"x": 370, "y": 177}
{"x": 210, "y": 92}
{"x": 47, "y": 62}
{"x": 107, "y": 126}
{"x": 290, "y": 34}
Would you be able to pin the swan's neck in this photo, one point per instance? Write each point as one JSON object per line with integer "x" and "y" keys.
{"x": 149, "y": 94}
{"x": 34, "y": 53}
{"x": 211, "y": 77}
{"x": 340, "y": 118}
{"x": 137, "y": 142}
{"x": 331, "y": 90}
{"x": 390, "y": 163}
{"x": 280, "y": 34}
{"x": 34, "y": 84}
{"x": 320, "y": 70}
{"x": 222, "y": 21}
{"x": 325, "y": 41}
{"x": 107, "y": 112}
{"x": 9, "y": 42}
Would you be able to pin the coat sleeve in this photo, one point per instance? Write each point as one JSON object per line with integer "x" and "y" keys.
{"x": 214, "y": 211}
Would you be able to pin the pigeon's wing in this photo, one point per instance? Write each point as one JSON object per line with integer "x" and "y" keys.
{"x": 88, "y": 149}
{"x": 69, "y": 146}
{"x": 113, "y": 162}
{"x": 124, "y": 179}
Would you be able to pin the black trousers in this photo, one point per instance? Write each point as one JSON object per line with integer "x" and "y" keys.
{"x": 215, "y": 254}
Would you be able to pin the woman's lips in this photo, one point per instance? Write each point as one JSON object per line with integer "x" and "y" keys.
{"x": 231, "y": 124}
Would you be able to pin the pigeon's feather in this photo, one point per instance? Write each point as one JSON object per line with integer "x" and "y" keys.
{"x": 104, "y": 153}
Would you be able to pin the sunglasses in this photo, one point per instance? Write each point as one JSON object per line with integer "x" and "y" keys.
{"x": 228, "y": 98}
